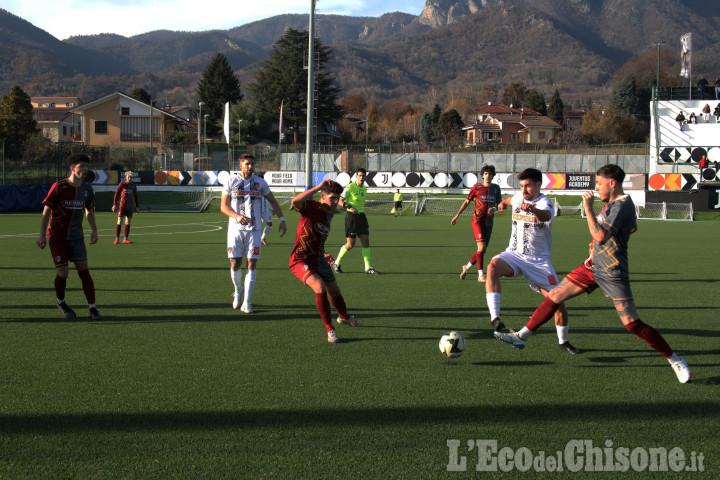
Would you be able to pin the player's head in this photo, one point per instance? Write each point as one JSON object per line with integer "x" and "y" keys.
{"x": 128, "y": 175}
{"x": 608, "y": 182}
{"x": 247, "y": 164}
{"x": 330, "y": 194}
{"x": 489, "y": 170}
{"x": 360, "y": 176}
{"x": 78, "y": 164}
{"x": 530, "y": 183}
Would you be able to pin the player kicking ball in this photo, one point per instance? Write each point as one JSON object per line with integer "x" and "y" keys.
{"x": 308, "y": 259}
{"x": 606, "y": 268}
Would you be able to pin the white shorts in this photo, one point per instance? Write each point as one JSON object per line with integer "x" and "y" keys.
{"x": 243, "y": 243}
{"x": 267, "y": 217}
{"x": 538, "y": 271}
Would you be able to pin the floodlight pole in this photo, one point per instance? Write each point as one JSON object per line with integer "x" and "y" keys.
{"x": 310, "y": 98}
{"x": 198, "y": 124}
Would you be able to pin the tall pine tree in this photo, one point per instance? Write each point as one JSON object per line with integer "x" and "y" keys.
{"x": 556, "y": 110}
{"x": 16, "y": 118}
{"x": 624, "y": 97}
{"x": 218, "y": 84}
{"x": 283, "y": 78}
{"x": 535, "y": 101}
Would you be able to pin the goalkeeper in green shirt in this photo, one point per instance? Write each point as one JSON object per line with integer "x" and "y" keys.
{"x": 356, "y": 224}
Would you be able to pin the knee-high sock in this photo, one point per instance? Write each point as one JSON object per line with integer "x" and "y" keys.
{"x": 651, "y": 336}
{"x": 366, "y": 257}
{"x": 473, "y": 259}
{"x": 542, "y": 314}
{"x": 236, "y": 276}
{"x": 339, "y": 304}
{"x": 249, "y": 284}
{"x": 493, "y": 303}
{"x": 127, "y": 230}
{"x": 341, "y": 254}
{"x": 117, "y": 230}
{"x": 60, "y": 283}
{"x": 323, "y": 306}
{"x": 265, "y": 232}
{"x": 88, "y": 286}
{"x": 480, "y": 257}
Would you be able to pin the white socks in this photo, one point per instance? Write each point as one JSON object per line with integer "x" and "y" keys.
{"x": 562, "y": 333}
{"x": 493, "y": 303}
{"x": 265, "y": 232}
{"x": 236, "y": 276}
{"x": 249, "y": 285}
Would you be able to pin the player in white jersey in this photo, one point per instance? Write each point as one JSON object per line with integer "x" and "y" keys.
{"x": 241, "y": 201}
{"x": 528, "y": 253}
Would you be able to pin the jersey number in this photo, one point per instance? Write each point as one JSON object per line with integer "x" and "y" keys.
{"x": 552, "y": 280}
{"x": 256, "y": 251}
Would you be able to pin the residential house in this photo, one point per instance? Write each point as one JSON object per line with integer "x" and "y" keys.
{"x": 118, "y": 119}
{"x": 574, "y": 119}
{"x": 54, "y": 119}
{"x": 502, "y": 124}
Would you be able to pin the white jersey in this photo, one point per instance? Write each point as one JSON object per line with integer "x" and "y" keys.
{"x": 530, "y": 236}
{"x": 247, "y": 197}
{"x": 267, "y": 211}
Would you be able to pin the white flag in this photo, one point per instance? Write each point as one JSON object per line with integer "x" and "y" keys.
{"x": 227, "y": 122}
{"x": 280, "y": 125}
{"x": 686, "y": 55}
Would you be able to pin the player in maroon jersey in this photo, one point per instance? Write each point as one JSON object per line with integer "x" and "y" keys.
{"x": 307, "y": 260}
{"x": 125, "y": 202}
{"x": 61, "y": 227}
{"x": 487, "y": 197}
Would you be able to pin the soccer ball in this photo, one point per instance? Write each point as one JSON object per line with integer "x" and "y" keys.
{"x": 452, "y": 344}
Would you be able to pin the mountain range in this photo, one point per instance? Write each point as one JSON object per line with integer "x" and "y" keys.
{"x": 453, "y": 48}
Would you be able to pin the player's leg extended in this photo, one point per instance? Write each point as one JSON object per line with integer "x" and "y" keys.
{"x": 349, "y": 244}
{"x": 497, "y": 268}
{"x": 321, "y": 302}
{"x": 480, "y": 259}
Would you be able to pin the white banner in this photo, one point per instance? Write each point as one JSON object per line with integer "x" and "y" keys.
{"x": 227, "y": 122}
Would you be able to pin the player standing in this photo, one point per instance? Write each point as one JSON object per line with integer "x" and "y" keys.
{"x": 487, "y": 196}
{"x": 356, "y": 224}
{"x": 241, "y": 201}
{"x": 125, "y": 202}
{"x": 606, "y": 268}
{"x": 528, "y": 253}
{"x": 67, "y": 202}
{"x": 397, "y": 202}
{"x": 307, "y": 260}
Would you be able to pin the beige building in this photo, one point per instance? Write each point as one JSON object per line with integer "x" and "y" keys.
{"x": 503, "y": 124}
{"x": 118, "y": 119}
{"x": 54, "y": 119}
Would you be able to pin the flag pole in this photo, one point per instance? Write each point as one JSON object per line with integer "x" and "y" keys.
{"x": 310, "y": 98}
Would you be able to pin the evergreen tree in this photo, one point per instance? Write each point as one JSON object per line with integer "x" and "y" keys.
{"x": 449, "y": 128}
{"x": 535, "y": 101}
{"x": 556, "y": 110}
{"x": 139, "y": 94}
{"x": 283, "y": 78}
{"x": 218, "y": 84}
{"x": 624, "y": 98}
{"x": 514, "y": 94}
{"x": 16, "y": 118}
{"x": 426, "y": 129}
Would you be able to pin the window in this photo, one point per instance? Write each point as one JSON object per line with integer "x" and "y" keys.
{"x": 515, "y": 137}
{"x": 137, "y": 129}
{"x": 64, "y": 131}
{"x": 101, "y": 126}
{"x": 125, "y": 111}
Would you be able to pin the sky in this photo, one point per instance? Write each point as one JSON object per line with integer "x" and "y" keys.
{"x": 63, "y": 19}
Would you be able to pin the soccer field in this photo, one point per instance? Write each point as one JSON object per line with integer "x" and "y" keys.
{"x": 173, "y": 383}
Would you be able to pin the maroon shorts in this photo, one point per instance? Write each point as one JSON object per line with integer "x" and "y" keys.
{"x": 480, "y": 231}
{"x": 303, "y": 270}
{"x": 64, "y": 250}
{"x": 614, "y": 288}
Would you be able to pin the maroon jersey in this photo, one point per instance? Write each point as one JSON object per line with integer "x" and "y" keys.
{"x": 67, "y": 208}
{"x": 313, "y": 229}
{"x": 126, "y": 196}
{"x": 485, "y": 197}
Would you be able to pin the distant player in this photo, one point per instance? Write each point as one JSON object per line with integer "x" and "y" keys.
{"x": 356, "y": 224}
{"x": 68, "y": 201}
{"x": 487, "y": 197}
{"x": 241, "y": 201}
{"x": 528, "y": 253}
{"x": 606, "y": 268}
{"x": 308, "y": 259}
{"x": 125, "y": 202}
{"x": 397, "y": 202}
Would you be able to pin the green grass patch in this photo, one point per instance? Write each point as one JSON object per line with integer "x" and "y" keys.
{"x": 173, "y": 383}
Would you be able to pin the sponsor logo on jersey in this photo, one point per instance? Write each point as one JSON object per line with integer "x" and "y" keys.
{"x": 72, "y": 204}
{"x": 323, "y": 228}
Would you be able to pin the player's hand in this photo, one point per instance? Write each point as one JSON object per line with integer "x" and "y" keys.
{"x": 352, "y": 210}
{"x": 589, "y": 199}
{"x": 454, "y": 219}
{"x": 112, "y": 209}
{"x": 41, "y": 241}
{"x": 491, "y": 210}
{"x": 93, "y": 237}
{"x": 282, "y": 228}
{"x": 242, "y": 219}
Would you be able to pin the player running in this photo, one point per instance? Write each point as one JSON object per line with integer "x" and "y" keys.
{"x": 125, "y": 202}
{"x": 308, "y": 259}
{"x": 606, "y": 268}
{"x": 528, "y": 253}
{"x": 487, "y": 197}
{"x": 241, "y": 201}
{"x": 61, "y": 227}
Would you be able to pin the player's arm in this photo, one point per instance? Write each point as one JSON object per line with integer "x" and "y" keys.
{"x": 44, "y": 221}
{"x": 90, "y": 214}
{"x": 504, "y": 203}
{"x": 115, "y": 197}
{"x": 282, "y": 228}
{"x": 299, "y": 200}
{"x": 137, "y": 204}
{"x": 462, "y": 209}
{"x": 599, "y": 235}
{"x": 225, "y": 208}
{"x": 343, "y": 204}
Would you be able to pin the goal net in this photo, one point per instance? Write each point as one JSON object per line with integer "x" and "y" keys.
{"x": 180, "y": 199}
{"x": 384, "y": 204}
{"x": 659, "y": 211}
{"x": 446, "y": 206}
